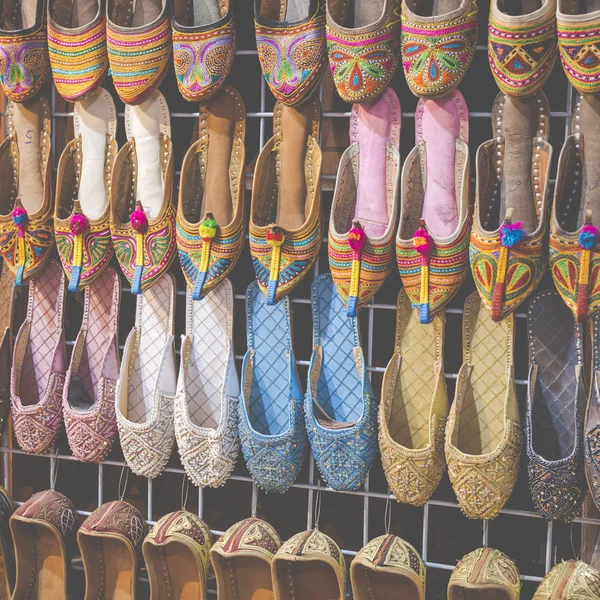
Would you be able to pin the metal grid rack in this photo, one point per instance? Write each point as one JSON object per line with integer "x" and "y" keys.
{"x": 438, "y": 530}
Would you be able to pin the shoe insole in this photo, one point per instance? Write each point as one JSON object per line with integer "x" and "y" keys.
{"x": 7, "y": 298}
{"x": 435, "y": 8}
{"x": 484, "y": 594}
{"x": 589, "y": 126}
{"x": 383, "y": 586}
{"x": 145, "y": 11}
{"x": 290, "y": 11}
{"x": 176, "y": 574}
{"x": 312, "y": 579}
{"x": 518, "y": 8}
{"x": 244, "y": 578}
{"x": 94, "y": 118}
{"x": 71, "y": 14}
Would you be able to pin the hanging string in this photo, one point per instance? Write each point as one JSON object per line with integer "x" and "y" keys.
{"x": 54, "y": 462}
{"x": 123, "y": 484}
{"x": 388, "y": 512}
{"x": 318, "y": 505}
{"x": 185, "y": 490}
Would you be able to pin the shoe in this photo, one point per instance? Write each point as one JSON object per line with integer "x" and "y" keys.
{"x": 309, "y": 565}
{"x": 26, "y": 229}
{"x": 77, "y": 46}
{"x": 438, "y": 44}
{"x": 508, "y": 240}
{"x": 570, "y": 580}
{"x": 432, "y": 245}
{"x": 42, "y": 531}
{"x": 290, "y": 39}
{"x": 485, "y": 574}
{"x": 40, "y": 363}
{"x": 142, "y": 221}
{"x": 574, "y": 253}
{"x": 483, "y": 434}
{"x": 414, "y": 408}
{"x": 522, "y": 45}
{"x": 208, "y": 391}
{"x": 177, "y": 556}
{"x": 85, "y": 169}
{"x": 363, "y": 45}
{"x": 91, "y": 381}
{"x": 271, "y": 423}
{"x": 210, "y": 215}
{"x": 340, "y": 406}
{"x": 24, "y": 65}
{"x": 388, "y": 567}
{"x": 7, "y": 303}
{"x": 555, "y": 401}
{"x": 592, "y": 416}
{"x": 285, "y": 214}
{"x": 241, "y": 560}
{"x": 147, "y": 382}
{"x": 109, "y": 541}
{"x": 203, "y": 47}
{"x": 364, "y": 211}
{"x": 7, "y": 551}
{"x": 138, "y": 37}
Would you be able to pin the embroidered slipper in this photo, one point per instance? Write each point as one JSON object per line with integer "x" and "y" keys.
{"x": 570, "y": 580}
{"x": 147, "y": 382}
{"x": 142, "y": 219}
{"x": 208, "y": 390}
{"x": 414, "y": 408}
{"x": 39, "y": 364}
{"x": 210, "y": 214}
{"x": 364, "y": 210}
{"x": 24, "y": 64}
{"x": 592, "y": 416}
{"x": 340, "y": 406}
{"x": 285, "y": 215}
{"x": 177, "y": 557}
{"x": 7, "y": 551}
{"x": 309, "y": 565}
{"x": 85, "y": 168}
{"x": 483, "y": 435}
{"x": 203, "y": 46}
{"x": 509, "y": 228}
{"x": 271, "y": 423}
{"x": 7, "y": 303}
{"x": 89, "y": 392}
{"x": 363, "y": 43}
{"x": 26, "y": 231}
{"x": 388, "y": 567}
{"x": 432, "y": 245}
{"x": 574, "y": 252}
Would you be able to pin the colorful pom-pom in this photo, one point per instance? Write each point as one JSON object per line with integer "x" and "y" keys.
{"x": 588, "y": 236}
{"x": 208, "y": 228}
{"x": 19, "y": 215}
{"x": 275, "y": 236}
{"x": 422, "y": 241}
{"x": 78, "y": 224}
{"x": 138, "y": 220}
{"x": 357, "y": 238}
{"x": 511, "y": 234}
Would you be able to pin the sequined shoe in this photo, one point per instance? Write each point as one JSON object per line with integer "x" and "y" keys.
{"x": 385, "y": 568}
{"x": 142, "y": 221}
{"x": 77, "y": 46}
{"x": 522, "y": 45}
{"x": 203, "y": 47}
{"x": 82, "y": 214}
{"x": 570, "y": 580}
{"x": 414, "y": 408}
{"x": 432, "y": 245}
{"x": 39, "y": 364}
{"x": 363, "y": 43}
{"x": 24, "y": 65}
{"x": 26, "y": 231}
{"x": 7, "y": 551}
{"x": 438, "y": 44}
{"x": 285, "y": 215}
{"x": 290, "y": 39}
{"x": 208, "y": 390}
{"x": 340, "y": 406}
{"x": 7, "y": 303}
{"x": 210, "y": 214}
{"x": 364, "y": 210}
{"x": 511, "y": 204}
{"x": 483, "y": 434}
{"x": 271, "y": 423}
{"x": 592, "y": 417}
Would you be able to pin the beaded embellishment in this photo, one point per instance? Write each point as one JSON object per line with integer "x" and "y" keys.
{"x": 579, "y": 46}
{"x": 250, "y": 536}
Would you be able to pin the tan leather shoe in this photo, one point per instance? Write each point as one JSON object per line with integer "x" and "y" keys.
{"x": 7, "y": 551}
{"x": 570, "y": 580}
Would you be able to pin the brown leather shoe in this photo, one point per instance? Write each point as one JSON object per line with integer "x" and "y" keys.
{"x": 7, "y": 552}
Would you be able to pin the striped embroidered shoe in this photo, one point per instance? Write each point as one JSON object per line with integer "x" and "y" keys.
{"x": 570, "y": 580}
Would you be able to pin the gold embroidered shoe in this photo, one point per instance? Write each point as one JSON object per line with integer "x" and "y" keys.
{"x": 210, "y": 215}
{"x": 483, "y": 435}
{"x": 511, "y": 204}
{"x": 285, "y": 215}
{"x": 570, "y": 580}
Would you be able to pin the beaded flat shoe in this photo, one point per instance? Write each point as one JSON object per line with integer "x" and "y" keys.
{"x": 508, "y": 240}
{"x": 432, "y": 245}
{"x": 592, "y": 417}
{"x": 7, "y": 303}
{"x": 210, "y": 214}
{"x": 340, "y": 406}
{"x": 364, "y": 211}
{"x": 570, "y": 580}
{"x": 82, "y": 213}
{"x": 7, "y": 550}
{"x": 271, "y": 423}
{"x": 483, "y": 434}
{"x": 285, "y": 215}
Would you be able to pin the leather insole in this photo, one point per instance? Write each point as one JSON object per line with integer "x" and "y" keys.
{"x": 589, "y": 120}
{"x": 176, "y": 575}
{"x": 135, "y": 13}
{"x": 71, "y": 14}
{"x": 244, "y": 578}
{"x": 435, "y": 8}
{"x": 290, "y": 11}
{"x": 482, "y": 594}
{"x": 17, "y": 14}
{"x": 314, "y": 579}
{"x": 518, "y": 8}
{"x": 372, "y": 585}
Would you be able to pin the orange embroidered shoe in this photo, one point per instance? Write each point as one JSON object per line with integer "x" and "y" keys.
{"x": 285, "y": 215}
{"x": 509, "y": 227}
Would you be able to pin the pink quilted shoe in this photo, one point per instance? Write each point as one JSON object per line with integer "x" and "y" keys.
{"x": 38, "y": 368}
{"x": 89, "y": 392}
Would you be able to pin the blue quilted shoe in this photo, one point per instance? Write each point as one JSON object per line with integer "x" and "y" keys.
{"x": 340, "y": 406}
{"x": 271, "y": 426}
